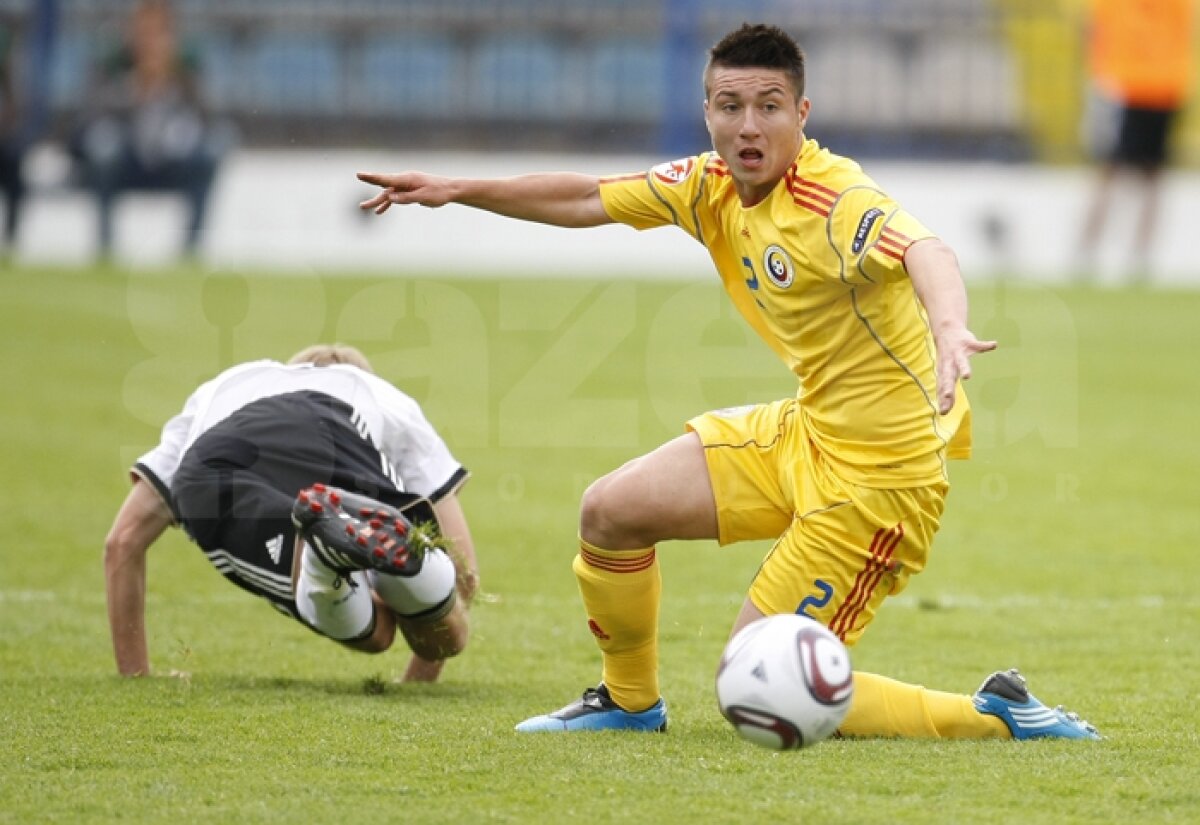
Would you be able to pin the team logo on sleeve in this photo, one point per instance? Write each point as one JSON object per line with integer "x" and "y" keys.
{"x": 864, "y": 229}
{"x": 675, "y": 171}
{"x": 779, "y": 266}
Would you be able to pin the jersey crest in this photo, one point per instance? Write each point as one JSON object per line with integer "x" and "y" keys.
{"x": 779, "y": 266}
{"x": 674, "y": 172}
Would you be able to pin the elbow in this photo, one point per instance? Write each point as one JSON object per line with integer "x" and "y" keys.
{"x": 120, "y": 547}
{"x": 114, "y": 549}
{"x": 947, "y": 254}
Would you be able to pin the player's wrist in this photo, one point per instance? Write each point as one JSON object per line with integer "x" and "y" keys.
{"x": 950, "y": 335}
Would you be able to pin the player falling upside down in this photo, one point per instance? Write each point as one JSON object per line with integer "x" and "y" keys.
{"x": 868, "y": 309}
{"x": 317, "y": 486}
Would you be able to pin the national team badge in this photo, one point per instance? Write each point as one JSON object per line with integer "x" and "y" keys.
{"x": 675, "y": 171}
{"x": 779, "y": 266}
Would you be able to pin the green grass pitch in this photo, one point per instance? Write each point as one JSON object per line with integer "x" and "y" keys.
{"x": 1069, "y": 549}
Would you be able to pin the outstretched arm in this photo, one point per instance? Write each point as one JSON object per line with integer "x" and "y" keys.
{"x": 933, "y": 268}
{"x": 558, "y": 198}
{"x": 141, "y": 520}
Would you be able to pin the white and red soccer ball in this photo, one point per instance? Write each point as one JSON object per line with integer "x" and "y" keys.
{"x": 785, "y": 682}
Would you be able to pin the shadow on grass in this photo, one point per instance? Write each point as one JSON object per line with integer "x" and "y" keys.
{"x": 374, "y": 686}
{"x": 370, "y": 686}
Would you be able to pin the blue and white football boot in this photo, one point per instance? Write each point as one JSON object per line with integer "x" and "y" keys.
{"x": 1004, "y": 694}
{"x": 596, "y": 710}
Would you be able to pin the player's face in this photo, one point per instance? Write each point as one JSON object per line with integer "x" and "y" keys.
{"x": 756, "y": 124}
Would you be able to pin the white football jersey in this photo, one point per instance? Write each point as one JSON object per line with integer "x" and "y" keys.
{"x": 391, "y": 420}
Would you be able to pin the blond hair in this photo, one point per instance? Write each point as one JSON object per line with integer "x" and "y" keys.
{"x": 322, "y": 355}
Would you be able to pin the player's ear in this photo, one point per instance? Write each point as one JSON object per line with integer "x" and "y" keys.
{"x": 805, "y": 105}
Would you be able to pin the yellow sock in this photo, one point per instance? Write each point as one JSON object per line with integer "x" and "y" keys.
{"x": 621, "y": 590}
{"x": 885, "y": 707}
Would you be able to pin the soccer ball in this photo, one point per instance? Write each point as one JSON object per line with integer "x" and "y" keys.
{"x": 785, "y": 682}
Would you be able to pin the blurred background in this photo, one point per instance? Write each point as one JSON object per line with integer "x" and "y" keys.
{"x": 980, "y": 115}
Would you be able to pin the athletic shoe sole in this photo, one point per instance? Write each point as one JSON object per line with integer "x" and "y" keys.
{"x": 349, "y": 531}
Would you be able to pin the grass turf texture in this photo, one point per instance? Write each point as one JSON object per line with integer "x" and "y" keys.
{"x": 1067, "y": 549}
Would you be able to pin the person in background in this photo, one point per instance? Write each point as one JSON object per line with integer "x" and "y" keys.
{"x": 147, "y": 127}
{"x": 1140, "y": 57}
{"x": 12, "y": 141}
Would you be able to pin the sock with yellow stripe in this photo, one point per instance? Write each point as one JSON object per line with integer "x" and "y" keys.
{"x": 621, "y": 590}
{"x": 886, "y": 707}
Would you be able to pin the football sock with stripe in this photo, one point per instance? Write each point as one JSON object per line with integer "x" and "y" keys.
{"x": 886, "y": 707}
{"x": 428, "y": 594}
{"x": 318, "y": 572}
{"x": 621, "y": 591}
{"x": 332, "y": 603}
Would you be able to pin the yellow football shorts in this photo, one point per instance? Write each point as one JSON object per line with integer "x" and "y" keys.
{"x": 839, "y": 549}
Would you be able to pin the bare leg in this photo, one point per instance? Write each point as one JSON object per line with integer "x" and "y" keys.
{"x": 1093, "y": 225}
{"x": 434, "y": 642}
{"x": 665, "y": 494}
{"x": 748, "y": 614}
{"x": 1147, "y": 225}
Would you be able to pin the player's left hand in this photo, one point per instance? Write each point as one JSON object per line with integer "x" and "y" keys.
{"x": 954, "y": 351}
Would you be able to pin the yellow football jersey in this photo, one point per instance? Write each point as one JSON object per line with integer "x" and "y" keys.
{"x": 817, "y": 268}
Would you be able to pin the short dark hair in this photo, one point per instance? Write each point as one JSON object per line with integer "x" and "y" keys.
{"x": 759, "y": 46}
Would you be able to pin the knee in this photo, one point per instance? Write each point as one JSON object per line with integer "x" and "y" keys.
{"x": 596, "y": 516}
{"x": 453, "y": 638}
{"x": 442, "y": 639}
{"x": 444, "y": 647}
{"x": 609, "y": 518}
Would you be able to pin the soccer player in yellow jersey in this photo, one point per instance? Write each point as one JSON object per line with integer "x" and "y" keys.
{"x": 868, "y": 309}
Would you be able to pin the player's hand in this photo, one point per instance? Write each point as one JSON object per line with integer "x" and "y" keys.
{"x": 954, "y": 351}
{"x": 405, "y": 188}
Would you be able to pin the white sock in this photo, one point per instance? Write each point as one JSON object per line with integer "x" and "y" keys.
{"x": 318, "y": 572}
{"x": 342, "y": 613}
{"x": 412, "y": 596}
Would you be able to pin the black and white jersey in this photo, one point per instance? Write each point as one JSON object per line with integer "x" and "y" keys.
{"x": 383, "y": 414}
{"x": 231, "y": 464}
